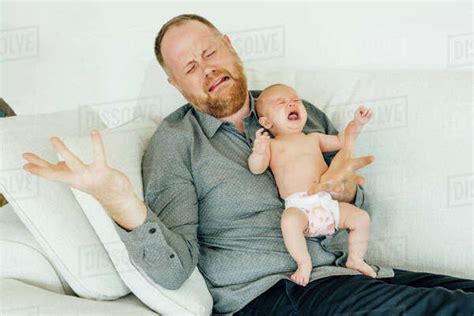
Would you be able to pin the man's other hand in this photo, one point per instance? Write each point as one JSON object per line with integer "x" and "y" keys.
{"x": 340, "y": 179}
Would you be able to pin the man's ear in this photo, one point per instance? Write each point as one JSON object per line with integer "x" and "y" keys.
{"x": 228, "y": 42}
{"x": 265, "y": 123}
{"x": 172, "y": 81}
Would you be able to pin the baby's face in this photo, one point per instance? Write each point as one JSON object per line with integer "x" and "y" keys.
{"x": 283, "y": 110}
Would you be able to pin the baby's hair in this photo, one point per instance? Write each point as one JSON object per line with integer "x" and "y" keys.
{"x": 258, "y": 104}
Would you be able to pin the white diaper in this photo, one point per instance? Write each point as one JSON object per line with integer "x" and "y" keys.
{"x": 320, "y": 209}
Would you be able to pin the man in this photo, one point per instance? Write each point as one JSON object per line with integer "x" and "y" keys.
{"x": 202, "y": 202}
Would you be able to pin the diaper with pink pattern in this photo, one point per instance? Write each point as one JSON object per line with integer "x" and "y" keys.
{"x": 320, "y": 209}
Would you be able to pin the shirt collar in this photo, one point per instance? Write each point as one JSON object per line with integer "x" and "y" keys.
{"x": 211, "y": 124}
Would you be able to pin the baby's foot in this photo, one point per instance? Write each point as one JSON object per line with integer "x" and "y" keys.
{"x": 301, "y": 275}
{"x": 362, "y": 267}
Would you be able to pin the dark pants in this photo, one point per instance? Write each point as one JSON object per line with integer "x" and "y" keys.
{"x": 407, "y": 293}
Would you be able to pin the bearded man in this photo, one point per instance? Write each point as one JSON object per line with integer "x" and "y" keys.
{"x": 203, "y": 207}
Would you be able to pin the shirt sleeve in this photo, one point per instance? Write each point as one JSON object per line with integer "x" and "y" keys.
{"x": 320, "y": 118}
{"x": 165, "y": 246}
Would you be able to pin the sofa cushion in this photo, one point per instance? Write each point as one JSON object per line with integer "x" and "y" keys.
{"x": 19, "y": 298}
{"x": 124, "y": 148}
{"x": 22, "y": 258}
{"x": 48, "y": 209}
{"x": 420, "y": 187}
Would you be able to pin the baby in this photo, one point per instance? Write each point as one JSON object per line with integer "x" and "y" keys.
{"x": 296, "y": 161}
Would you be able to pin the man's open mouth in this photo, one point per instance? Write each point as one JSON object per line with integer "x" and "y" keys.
{"x": 217, "y": 83}
{"x": 293, "y": 116}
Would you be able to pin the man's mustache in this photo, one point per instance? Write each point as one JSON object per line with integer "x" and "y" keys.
{"x": 210, "y": 81}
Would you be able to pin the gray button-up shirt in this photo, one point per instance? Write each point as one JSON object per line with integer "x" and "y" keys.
{"x": 206, "y": 208}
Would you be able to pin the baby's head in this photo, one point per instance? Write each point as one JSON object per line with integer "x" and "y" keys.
{"x": 280, "y": 110}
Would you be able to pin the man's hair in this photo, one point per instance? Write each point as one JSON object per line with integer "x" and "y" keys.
{"x": 177, "y": 20}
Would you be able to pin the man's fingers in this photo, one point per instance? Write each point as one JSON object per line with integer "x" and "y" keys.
{"x": 34, "y": 159}
{"x": 47, "y": 173}
{"x": 325, "y": 186}
{"x": 258, "y": 132}
{"x": 72, "y": 161}
{"x": 360, "y": 162}
{"x": 99, "y": 151}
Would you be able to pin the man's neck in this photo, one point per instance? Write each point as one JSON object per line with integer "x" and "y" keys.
{"x": 237, "y": 117}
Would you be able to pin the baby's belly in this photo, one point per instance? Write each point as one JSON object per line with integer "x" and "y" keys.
{"x": 298, "y": 175}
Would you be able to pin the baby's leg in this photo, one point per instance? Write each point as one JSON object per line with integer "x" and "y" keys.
{"x": 357, "y": 222}
{"x": 293, "y": 224}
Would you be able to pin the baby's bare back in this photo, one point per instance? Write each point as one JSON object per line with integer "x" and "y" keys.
{"x": 296, "y": 163}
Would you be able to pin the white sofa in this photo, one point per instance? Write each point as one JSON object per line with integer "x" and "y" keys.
{"x": 420, "y": 189}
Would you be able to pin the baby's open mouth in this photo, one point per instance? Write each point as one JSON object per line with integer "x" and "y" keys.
{"x": 217, "y": 83}
{"x": 293, "y": 116}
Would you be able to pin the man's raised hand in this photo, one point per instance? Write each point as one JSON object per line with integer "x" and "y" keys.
{"x": 104, "y": 183}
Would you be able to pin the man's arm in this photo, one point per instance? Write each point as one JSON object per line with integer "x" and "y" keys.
{"x": 163, "y": 237}
{"x": 351, "y": 192}
{"x": 165, "y": 246}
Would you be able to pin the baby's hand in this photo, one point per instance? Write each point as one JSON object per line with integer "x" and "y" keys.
{"x": 261, "y": 143}
{"x": 362, "y": 115}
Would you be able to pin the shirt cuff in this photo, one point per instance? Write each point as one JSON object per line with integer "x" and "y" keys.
{"x": 360, "y": 197}
{"x": 151, "y": 217}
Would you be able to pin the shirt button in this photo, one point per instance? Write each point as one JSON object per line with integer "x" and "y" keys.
{"x": 172, "y": 256}
{"x": 152, "y": 230}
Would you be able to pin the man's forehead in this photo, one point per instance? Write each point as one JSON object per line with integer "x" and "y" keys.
{"x": 182, "y": 42}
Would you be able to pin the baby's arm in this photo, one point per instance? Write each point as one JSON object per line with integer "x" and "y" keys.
{"x": 259, "y": 159}
{"x": 332, "y": 143}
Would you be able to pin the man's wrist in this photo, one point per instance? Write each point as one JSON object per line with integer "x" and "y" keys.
{"x": 350, "y": 190}
{"x": 128, "y": 213}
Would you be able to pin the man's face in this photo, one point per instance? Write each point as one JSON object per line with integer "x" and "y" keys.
{"x": 205, "y": 68}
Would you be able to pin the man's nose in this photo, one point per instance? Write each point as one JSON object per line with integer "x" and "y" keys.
{"x": 209, "y": 70}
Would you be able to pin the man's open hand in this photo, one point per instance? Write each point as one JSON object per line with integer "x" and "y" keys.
{"x": 107, "y": 185}
{"x": 340, "y": 179}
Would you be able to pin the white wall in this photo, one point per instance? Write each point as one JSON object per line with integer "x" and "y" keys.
{"x": 58, "y": 56}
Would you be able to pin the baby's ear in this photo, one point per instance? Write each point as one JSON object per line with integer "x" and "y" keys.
{"x": 265, "y": 123}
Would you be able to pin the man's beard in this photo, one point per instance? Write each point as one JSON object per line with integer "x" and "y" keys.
{"x": 228, "y": 104}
